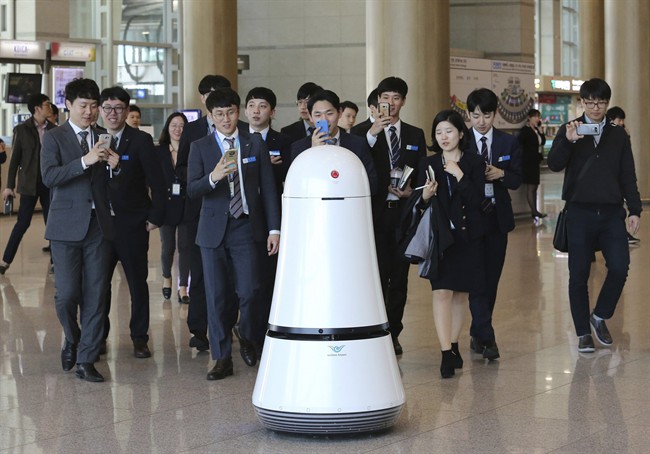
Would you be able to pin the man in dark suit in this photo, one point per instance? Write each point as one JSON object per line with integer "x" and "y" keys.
{"x": 239, "y": 218}
{"x": 394, "y": 144}
{"x": 325, "y": 105}
{"x": 502, "y": 156}
{"x": 373, "y": 103}
{"x": 25, "y": 162}
{"x": 136, "y": 214}
{"x": 303, "y": 127}
{"x": 76, "y": 167}
{"x": 197, "y": 315}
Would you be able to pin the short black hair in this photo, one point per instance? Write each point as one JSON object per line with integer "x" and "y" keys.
{"x": 483, "y": 98}
{"x": 116, "y": 92}
{"x": 349, "y": 105}
{"x": 615, "y": 112}
{"x": 534, "y": 113}
{"x": 307, "y": 90}
{"x": 455, "y": 119}
{"x": 595, "y": 89}
{"x": 393, "y": 84}
{"x": 262, "y": 93}
{"x": 213, "y": 82}
{"x": 134, "y": 108}
{"x": 81, "y": 88}
{"x": 324, "y": 95}
{"x": 222, "y": 97}
{"x": 373, "y": 98}
{"x": 165, "y": 138}
{"x": 36, "y": 100}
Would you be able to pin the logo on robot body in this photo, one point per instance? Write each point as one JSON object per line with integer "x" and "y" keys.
{"x": 336, "y": 349}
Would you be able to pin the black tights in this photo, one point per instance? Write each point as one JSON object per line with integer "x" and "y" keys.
{"x": 531, "y": 196}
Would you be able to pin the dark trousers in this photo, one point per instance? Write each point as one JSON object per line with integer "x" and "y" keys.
{"x": 25, "y": 213}
{"x": 481, "y": 303}
{"x": 393, "y": 269}
{"x": 238, "y": 256}
{"x": 197, "y": 312}
{"x": 589, "y": 228}
{"x": 130, "y": 247}
{"x": 169, "y": 242}
{"x": 81, "y": 282}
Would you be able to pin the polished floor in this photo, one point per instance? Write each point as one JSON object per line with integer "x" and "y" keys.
{"x": 541, "y": 396}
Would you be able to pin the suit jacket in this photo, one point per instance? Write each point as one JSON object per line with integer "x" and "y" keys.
{"x": 259, "y": 187}
{"x": 295, "y": 131}
{"x": 531, "y": 154}
{"x": 73, "y": 189}
{"x": 506, "y": 155}
{"x": 413, "y": 149}
{"x": 140, "y": 172}
{"x": 174, "y": 204}
{"x": 25, "y": 158}
{"x": 356, "y": 145}
{"x": 276, "y": 141}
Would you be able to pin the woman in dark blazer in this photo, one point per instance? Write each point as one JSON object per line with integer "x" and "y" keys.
{"x": 532, "y": 140}
{"x": 459, "y": 186}
{"x": 173, "y": 226}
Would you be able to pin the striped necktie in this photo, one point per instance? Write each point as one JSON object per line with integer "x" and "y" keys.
{"x": 394, "y": 146}
{"x": 484, "y": 150}
{"x": 236, "y": 204}
{"x": 84, "y": 142}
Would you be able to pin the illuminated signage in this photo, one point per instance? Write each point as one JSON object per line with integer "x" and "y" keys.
{"x": 22, "y": 50}
{"x": 73, "y": 52}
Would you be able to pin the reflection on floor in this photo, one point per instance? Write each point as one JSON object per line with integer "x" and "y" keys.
{"x": 541, "y": 396}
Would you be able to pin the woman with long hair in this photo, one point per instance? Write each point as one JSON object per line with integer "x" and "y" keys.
{"x": 532, "y": 139}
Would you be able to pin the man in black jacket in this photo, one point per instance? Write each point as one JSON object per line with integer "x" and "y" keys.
{"x": 599, "y": 177}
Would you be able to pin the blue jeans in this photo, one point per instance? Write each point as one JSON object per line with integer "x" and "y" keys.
{"x": 589, "y": 228}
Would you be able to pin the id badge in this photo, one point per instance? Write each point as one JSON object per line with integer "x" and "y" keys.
{"x": 176, "y": 189}
{"x": 489, "y": 190}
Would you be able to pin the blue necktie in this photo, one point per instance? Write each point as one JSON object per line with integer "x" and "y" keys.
{"x": 236, "y": 204}
{"x": 394, "y": 146}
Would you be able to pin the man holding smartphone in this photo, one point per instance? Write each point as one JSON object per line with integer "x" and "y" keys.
{"x": 394, "y": 144}
{"x": 599, "y": 178}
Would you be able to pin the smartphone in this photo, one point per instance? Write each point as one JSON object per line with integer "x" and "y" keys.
{"x": 588, "y": 129}
{"x": 384, "y": 109}
{"x": 431, "y": 175}
{"x": 323, "y": 126}
{"x": 104, "y": 141}
{"x": 231, "y": 157}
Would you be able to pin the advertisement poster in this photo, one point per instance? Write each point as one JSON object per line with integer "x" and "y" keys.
{"x": 513, "y": 83}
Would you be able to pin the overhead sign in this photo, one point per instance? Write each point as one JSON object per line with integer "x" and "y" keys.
{"x": 558, "y": 84}
{"x": 73, "y": 52}
{"x": 22, "y": 50}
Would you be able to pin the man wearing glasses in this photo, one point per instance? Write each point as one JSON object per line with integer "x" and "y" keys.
{"x": 599, "y": 177}
{"x": 303, "y": 127}
{"x": 136, "y": 214}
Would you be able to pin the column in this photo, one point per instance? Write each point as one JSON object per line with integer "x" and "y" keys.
{"x": 209, "y": 44}
{"x": 410, "y": 39}
{"x": 592, "y": 38}
{"x": 627, "y": 40}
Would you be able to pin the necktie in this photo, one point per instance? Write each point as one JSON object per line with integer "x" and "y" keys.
{"x": 236, "y": 205}
{"x": 84, "y": 143}
{"x": 484, "y": 150}
{"x": 332, "y": 141}
{"x": 310, "y": 131}
{"x": 114, "y": 144}
{"x": 394, "y": 146}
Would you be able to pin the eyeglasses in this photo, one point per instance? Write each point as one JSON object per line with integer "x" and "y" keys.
{"x": 592, "y": 104}
{"x": 117, "y": 109}
{"x": 220, "y": 115}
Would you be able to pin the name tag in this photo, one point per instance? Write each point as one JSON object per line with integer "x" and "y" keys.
{"x": 489, "y": 190}
{"x": 504, "y": 158}
{"x": 248, "y": 160}
{"x": 274, "y": 152}
{"x": 124, "y": 157}
{"x": 412, "y": 147}
{"x": 176, "y": 189}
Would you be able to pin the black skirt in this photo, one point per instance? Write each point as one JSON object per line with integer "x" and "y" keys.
{"x": 462, "y": 266}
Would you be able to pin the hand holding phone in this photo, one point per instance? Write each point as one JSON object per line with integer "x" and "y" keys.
{"x": 323, "y": 126}
{"x": 431, "y": 175}
{"x": 384, "y": 109}
{"x": 104, "y": 141}
{"x": 588, "y": 129}
{"x": 230, "y": 158}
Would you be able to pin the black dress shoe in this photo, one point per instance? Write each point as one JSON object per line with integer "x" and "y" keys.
{"x": 447, "y": 365}
{"x": 247, "y": 352}
{"x": 102, "y": 347}
{"x": 68, "y": 356}
{"x": 491, "y": 351}
{"x": 87, "y": 371}
{"x": 586, "y": 344}
{"x": 221, "y": 369}
{"x": 47, "y": 249}
{"x": 600, "y": 331}
{"x": 397, "y": 346}
{"x": 200, "y": 342}
{"x": 458, "y": 360}
{"x": 476, "y": 345}
{"x": 167, "y": 292}
{"x": 183, "y": 299}
{"x": 4, "y": 268}
{"x": 140, "y": 349}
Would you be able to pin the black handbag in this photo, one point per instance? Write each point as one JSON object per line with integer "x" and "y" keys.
{"x": 560, "y": 239}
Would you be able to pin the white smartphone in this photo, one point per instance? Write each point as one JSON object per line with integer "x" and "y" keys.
{"x": 104, "y": 141}
{"x": 588, "y": 129}
{"x": 431, "y": 175}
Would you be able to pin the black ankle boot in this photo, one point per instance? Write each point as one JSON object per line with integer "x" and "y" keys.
{"x": 447, "y": 365}
{"x": 458, "y": 360}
